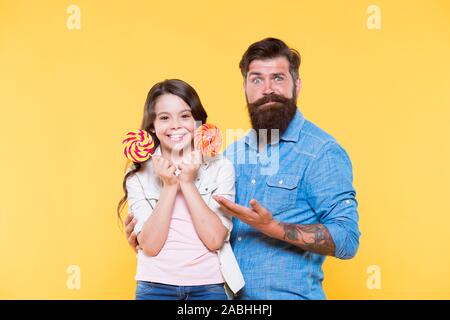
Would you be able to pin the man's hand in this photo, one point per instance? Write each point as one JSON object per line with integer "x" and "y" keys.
{"x": 130, "y": 222}
{"x": 257, "y": 216}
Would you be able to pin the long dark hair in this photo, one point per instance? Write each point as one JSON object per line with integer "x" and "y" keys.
{"x": 170, "y": 86}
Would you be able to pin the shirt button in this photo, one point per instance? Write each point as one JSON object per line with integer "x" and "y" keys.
{"x": 280, "y": 182}
{"x": 239, "y": 238}
{"x": 253, "y": 181}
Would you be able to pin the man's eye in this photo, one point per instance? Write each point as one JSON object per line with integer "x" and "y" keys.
{"x": 278, "y": 78}
{"x": 257, "y": 81}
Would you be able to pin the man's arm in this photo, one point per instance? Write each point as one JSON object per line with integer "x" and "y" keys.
{"x": 330, "y": 193}
{"x": 328, "y": 184}
{"x": 309, "y": 237}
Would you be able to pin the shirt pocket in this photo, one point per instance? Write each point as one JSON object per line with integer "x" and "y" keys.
{"x": 152, "y": 202}
{"x": 206, "y": 191}
{"x": 142, "y": 212}
{"x": 152, "y": 199}
{"x": 281, "y": 192}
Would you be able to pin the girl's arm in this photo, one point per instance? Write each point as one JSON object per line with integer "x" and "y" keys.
{"x": 154, "y": 231}
{"x": 208, "y": 225}
{"x": 210, "y": 229}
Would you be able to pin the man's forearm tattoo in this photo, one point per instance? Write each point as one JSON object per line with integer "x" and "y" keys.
{"x": 311, "y": 237}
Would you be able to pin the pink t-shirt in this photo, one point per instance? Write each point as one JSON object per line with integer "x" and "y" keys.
{"x": 183, "y": 260}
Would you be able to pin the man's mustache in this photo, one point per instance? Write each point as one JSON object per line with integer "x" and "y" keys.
{"x": 269, "y": 98}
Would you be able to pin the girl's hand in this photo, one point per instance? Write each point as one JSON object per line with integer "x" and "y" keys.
{"x": 165, "y": 170}
{"x": 189, "y": 167}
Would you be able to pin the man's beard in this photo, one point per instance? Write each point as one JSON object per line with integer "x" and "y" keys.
{"x": 274, "y": 116}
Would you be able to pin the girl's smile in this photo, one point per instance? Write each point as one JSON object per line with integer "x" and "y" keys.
{"x": 174, "y": 124}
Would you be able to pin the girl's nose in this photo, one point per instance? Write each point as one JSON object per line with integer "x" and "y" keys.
{"x": 175, "y": 124}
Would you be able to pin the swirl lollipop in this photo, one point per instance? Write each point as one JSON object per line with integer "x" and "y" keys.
{"x": 208, "y": 139}
{"x": 138, "y": 146}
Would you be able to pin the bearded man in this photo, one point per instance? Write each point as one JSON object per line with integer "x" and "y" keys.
{"x": 286, "y": 222}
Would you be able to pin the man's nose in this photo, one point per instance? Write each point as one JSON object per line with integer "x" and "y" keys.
{"x": 268, "y": 88}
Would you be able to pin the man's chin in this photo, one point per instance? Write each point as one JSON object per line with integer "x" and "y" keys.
{"x": 273, "y": 117}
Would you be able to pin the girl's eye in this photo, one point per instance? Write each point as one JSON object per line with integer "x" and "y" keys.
{"x": 163, "y": 118}
{"x": 186, "y": 116}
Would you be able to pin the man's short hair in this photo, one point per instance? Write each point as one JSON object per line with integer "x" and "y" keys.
{"x": 271, "y": 48}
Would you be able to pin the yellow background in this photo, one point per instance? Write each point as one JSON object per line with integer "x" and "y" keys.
{"x": 68, "y": 97}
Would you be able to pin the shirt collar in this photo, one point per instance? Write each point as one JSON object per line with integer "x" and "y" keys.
{"x": 292, "y": 132}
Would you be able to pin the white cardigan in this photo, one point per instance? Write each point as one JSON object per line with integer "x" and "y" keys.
{"x": 215, "y": 177}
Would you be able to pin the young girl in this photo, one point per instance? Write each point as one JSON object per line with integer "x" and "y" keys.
{"x": 184, "y": 250}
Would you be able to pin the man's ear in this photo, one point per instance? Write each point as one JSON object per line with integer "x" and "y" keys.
{"x": 298, "y": 86}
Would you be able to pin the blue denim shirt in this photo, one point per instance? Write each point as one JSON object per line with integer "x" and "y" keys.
{"x": 305, "y": 178}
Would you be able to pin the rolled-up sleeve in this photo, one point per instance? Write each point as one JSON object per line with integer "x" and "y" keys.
{"x": 138, "y": 204}
{"x": 330, "y": 192}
